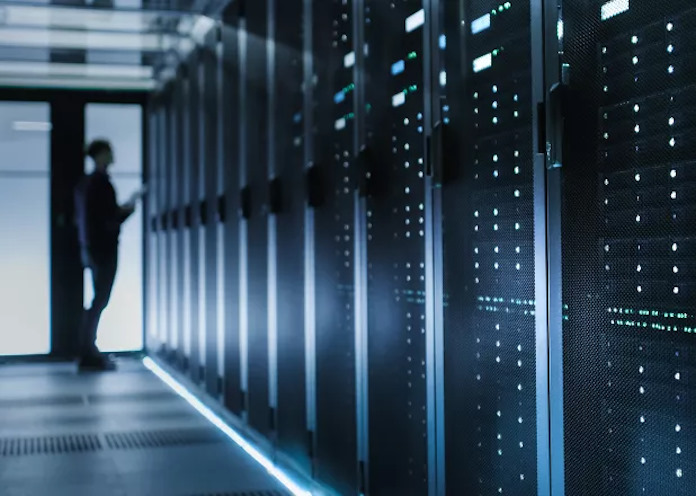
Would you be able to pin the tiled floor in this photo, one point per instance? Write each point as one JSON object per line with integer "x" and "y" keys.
{"x": 108, "y": 434}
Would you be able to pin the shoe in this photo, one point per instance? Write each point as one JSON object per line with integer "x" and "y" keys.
{"x": 97, "y": 363}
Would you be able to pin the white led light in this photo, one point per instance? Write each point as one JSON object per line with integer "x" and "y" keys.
{"x": 675, "y": 269}
{"x": 340, "y": 124}
{"x": 675, "y": 290}
{"x": 677, "y": 428}
{"x": 634, "y": 39}
{"x": 677, "y": 376}
{"x": 670, "y": 26}
{"x": 636, "y": 108}
{"x": 673, "y": 195}
{"x": 670, "y": 69}
{"x": 635, "y": 60}
{"x": 637, "y": 128}
{"x": 672, "y": 142}
{"x": 673, "y": 173}
{"x": 265, "y": 462}
{"x": 398, "y": 99}
{"x": 675, "y": 247}
{"x": 642, "y": 460}
{"x": 349, "y": 60}
{"x": 639, "y": 289}
{"x": 680, "y": 473}
{"x": 481, "y": 24}
{"x": 670, "y": 48}
{"x": 415, "y": 21}
{"x": 483, "y": 62}
{"x": 637, "y": 177}
{"x": 614, "y": 8}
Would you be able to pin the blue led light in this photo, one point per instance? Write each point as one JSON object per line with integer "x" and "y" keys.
{"x": 443, "y": 41}
{"x": 265, "y": 462}
{"x": 339, "y": 97}
{"x": 398, "y": 67}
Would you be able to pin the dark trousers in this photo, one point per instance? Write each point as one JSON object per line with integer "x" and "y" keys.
{"x": 103, "y": 275}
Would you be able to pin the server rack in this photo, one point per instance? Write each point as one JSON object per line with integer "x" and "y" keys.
{"x": 179, "y": 216}
{"x": 628, "y": 275}
{"x": 333, "y": 115}
{"x": 256, "y": 123}
{"x": 209, "y": 209}
{"x": 231, "y": 119}
{"x": 491, "y": 233}
{"x": 288, "y": 206}
{"x": 193, "y": 216}
{"x": 396, "y": 126}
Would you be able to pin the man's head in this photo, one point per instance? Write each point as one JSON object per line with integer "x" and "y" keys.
{"x": 101, "y": 152}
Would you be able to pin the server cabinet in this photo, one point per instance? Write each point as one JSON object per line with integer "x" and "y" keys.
{"x": 394, "y": 170}
{"x": 162, "y": 232}
{"x": 229, "y": 205}
{"x": 195, "y": 177}
{"x": 288, "y": 204}
{"x": 256, "y": 122}
{"x": 628, "y": 188}
{"x": 173, "y": 187}
{"x": 334, "y": 118}
{"x": 152, "y": 307}
{"x": 179, "y": 215}
{"x": 209, "y": 218}
{"x": 492, "y": 177}
{"x": 186, "y": 257}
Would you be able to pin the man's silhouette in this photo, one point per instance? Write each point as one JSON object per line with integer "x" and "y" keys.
{"x": 99, "y": 219}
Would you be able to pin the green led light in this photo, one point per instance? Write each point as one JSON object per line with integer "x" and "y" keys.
{"x": 507, "y": 5}
{"x": 412, "y": 55}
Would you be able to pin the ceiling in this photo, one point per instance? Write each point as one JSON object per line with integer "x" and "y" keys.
{"x": 98, "y": 44}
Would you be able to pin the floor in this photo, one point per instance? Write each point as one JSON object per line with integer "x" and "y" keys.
{"x": 119, "y": 433}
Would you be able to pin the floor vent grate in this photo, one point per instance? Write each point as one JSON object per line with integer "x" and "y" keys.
{"x": 50, "y": 445}
{"x": 157, "y": 439}
{"x": 138, "y": 397}
{"x": 45, "y": 401}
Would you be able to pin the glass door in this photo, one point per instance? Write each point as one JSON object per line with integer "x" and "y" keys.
{"x": 25, "y": 134}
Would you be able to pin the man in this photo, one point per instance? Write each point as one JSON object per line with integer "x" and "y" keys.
{"x": 99, "y": 219}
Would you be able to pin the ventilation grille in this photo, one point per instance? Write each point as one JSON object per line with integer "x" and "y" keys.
{"x": 138, "y": 397}
{"x": 83, "y": 443}
{"x": 157, "y": 439}
{"x": 50, "y": 445}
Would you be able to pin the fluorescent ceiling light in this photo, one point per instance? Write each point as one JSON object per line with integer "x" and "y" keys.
{"x": 32, "y": 126}
{"x": 46, "y": 69}
{"x": 75, "y": 18}
{"x": 84, "y": 40}
{"x": 82, "y": 83}
{"x": 251, "y": 450}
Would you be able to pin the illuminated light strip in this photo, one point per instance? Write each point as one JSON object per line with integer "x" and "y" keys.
{"x": 398, "y": 67}
{"x": 31, "y": 126}
{"x": 340, "y": 124}
{"x": 14, "y": 68}
{"x": 56, "y": 38}
{"x": 614, "y": 8}
{"x": 481, "y": 24}
{"x": 262, "y": 460}
{"x": 398, "y": 99}
{"x": 483, "y": 62}
{"x": 415, "y": 21}
{"x": 78, "y": 83}
{"x": 349, "y": 60}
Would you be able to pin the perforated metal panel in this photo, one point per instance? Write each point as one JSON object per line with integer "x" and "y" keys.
{"x": 289, "y": 168}
{"x": 396, "y": 332}
{"x": 489, "y": 315}
{"x": 629, "y": 230}
{"x": 335, "y": 323}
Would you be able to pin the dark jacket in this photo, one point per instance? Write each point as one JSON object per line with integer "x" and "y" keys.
{"x": 98, "y": 217}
